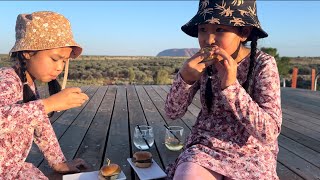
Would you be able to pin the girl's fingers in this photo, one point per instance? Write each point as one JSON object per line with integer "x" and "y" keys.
{"x": 201, "y": 66}
{"x": 83, "y": 165}
{"x": 199, "y": 57}
{"x": 74, "y": 169}
{"x": 74, "y": 90}
{"x": 224, "y": 55}
{"x": 208, "y": 63}
{"x": 219, "y": 66}
{"x": 226, "y": 64}
{"x": 83, "y": 96}
{"x": 80, "y": 163}
{"x": 76, "y": 104}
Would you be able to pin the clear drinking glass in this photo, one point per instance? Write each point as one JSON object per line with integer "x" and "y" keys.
{"x": 174, "y": 138}
{"x": 143, "y": 137}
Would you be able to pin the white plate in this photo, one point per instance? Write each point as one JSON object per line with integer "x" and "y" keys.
{"x": 152, "y": 172}
{"x": 89, "y": 176}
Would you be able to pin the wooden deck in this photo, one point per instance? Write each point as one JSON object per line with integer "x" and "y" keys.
{"x": 103, "y": 127}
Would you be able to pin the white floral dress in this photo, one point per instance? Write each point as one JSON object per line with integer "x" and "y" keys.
{"x": 238, "y": 138}
{"x": 20, "y": 125}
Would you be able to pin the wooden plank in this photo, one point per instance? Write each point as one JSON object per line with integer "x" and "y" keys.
{"x": 302, "y": 122}
{"x": 298, "y": 165}
{"x": 303, "y": 116}
{"x": 189, "y": 119}
{"x": 303, "y": 130}
{"x": 301, "y": 138}
{"x": 285, "y": 173}
{"x": 59, "y": 126}
{"x": 303, "y": 106}
{"x": 307, "y": 97}
{"x": 191, "y": 108}
{"x": 93, "y": 145}
{"x": 304, "y": 91}
{"x": 300, "y": 111}
{"x": 56, "y": 116}
{"x": 155, "y": 119}
{"x": 137, "y": 117}
{"x": 72, "y": 138}
{"x": 304, "y": 97}
{"x": 119, "y": 138}
{"x": 300, "y": 150}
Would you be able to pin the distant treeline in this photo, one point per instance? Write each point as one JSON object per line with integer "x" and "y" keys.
{"x": 104, "y": 70}
{"x": 120, "y": 70}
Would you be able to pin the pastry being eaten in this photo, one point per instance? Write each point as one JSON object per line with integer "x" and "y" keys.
{"x": 212, "y": 57}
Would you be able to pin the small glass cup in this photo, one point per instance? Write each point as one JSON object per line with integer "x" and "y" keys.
{"x": 174, "y": 138}
{"x": 143, "y": 137}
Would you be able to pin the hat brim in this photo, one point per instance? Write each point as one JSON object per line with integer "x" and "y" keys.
{"x": 75, "y": 53}
{"x": 191, "y": 29}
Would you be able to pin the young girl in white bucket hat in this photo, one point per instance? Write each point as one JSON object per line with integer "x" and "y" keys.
{"x": 44, "y": 43}
{"x": 235, "y": 135}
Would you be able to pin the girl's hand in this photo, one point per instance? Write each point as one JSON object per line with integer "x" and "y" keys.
{"x": 193, "y": 68}
{"x": 74, "y": 166}
{"x": 227, "y": 68}
{"x": 65, "y": 99}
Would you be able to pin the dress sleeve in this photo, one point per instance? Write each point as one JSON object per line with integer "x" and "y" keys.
{"x": 13, "y": 114}
{"x": 261, "y": 116}
{"x": 46, "y": 140}
{"x": 180, "y": 97}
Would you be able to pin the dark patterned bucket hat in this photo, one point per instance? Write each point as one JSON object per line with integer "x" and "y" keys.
{"x": 226, "y": 12}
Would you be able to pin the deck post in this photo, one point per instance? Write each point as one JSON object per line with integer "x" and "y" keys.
{"x": 294, "y": 77}
{"x": 315, "y": 81}
{"x": 313, "y": 75}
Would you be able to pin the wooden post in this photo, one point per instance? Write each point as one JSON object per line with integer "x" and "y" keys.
{"x": 315, "y": 81}
{"x": 294, "y": 77}
{"x": 313, "y": 76}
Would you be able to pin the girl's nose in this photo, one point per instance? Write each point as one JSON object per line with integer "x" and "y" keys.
{"x": 60, "y": 65}
{"x": 210, "y": 39}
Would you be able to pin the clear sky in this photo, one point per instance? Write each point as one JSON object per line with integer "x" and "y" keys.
{"x": 148, "y": 27}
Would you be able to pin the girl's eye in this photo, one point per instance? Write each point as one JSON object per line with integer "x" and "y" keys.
{"x": 220, "y": 30}
{"x": 55, "y": 60}
{"x": 202, "y": 29}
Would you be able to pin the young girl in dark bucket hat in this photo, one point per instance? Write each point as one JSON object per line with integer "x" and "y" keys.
{"x": 44, "y": 43}
{"x": 235, "y": 135}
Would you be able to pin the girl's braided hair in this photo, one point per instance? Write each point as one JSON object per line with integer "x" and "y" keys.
{"x": 20, "y": 69}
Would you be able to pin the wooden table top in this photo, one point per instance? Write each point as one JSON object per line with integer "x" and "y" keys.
{"x": 103, "y": 128}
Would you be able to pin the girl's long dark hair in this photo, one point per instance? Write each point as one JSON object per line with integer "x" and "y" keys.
{"x": 20, "y": 69}
{"x": 208, "y": 90}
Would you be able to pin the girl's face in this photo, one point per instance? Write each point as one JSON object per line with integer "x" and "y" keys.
{"x": 226, "y": 37}
{"x": 46, "y": 65}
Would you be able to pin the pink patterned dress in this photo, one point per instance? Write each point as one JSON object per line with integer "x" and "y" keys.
{"x": 238, "y": 138}
{"x": 20, "y": 125}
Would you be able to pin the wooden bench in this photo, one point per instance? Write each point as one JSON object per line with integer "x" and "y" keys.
{"x": 103, "y": 128}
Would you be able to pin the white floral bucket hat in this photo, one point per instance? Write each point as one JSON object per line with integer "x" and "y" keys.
{"x": 225, "y": 12}
{"x": 44, "y": 30}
